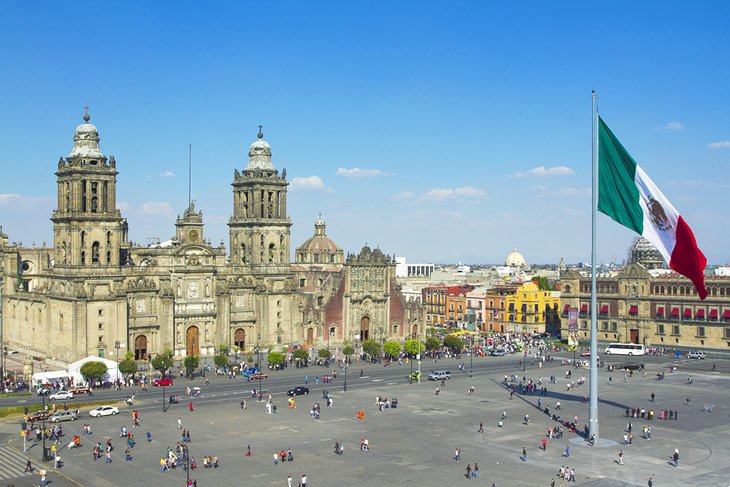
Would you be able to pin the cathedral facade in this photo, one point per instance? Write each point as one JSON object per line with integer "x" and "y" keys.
{"x": 94, "y": 293}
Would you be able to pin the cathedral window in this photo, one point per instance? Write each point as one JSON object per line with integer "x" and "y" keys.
{"x": 105, "y": 196}
{"x": 83, "y": 195}
{"x": 83, "y": 238}
{"x": 272, "y": 249}
{"x": 316, "y": 258}
{"x": 108, "y": 257}
{"x": 95, "y": 253}
{"x": 302, "y": 282}
{"x": 243, "y": 253}
{"x": 94, "y": 204}
{"x": 108, "y": 239}
{"x": 83, "y": 257}
{"x": 60, "y": 322}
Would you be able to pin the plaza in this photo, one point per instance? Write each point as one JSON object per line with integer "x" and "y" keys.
{"x": 414, "y": 444}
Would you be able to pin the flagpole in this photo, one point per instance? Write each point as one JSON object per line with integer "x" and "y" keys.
{"x": 593, "y": 406}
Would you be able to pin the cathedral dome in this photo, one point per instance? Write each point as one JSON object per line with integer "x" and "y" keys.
{"x": 645, "y": 253}
{"x": 319, "y": 248}
{"x": 86, "y": 141}
{"x": 515, "y": 259}
{"x": 259, "y": 154}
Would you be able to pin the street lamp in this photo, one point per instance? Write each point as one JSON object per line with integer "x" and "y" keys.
{"x": 187, "y": 465}
{"x": 258, "y": 358}
{"x": 471, "y": 356}
{"x": 164, "y": 396}
{"x": 117, "y": 345}
{"x": 43, "y": 432}
{"x": 381, "y": 329}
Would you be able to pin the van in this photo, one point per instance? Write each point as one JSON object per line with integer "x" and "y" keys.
{"x": 439, "y": 375}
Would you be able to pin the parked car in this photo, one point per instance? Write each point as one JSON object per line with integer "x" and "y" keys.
{"x": 61, "y": 396}
{"x": 498, "y": 353}
{"x": 585, "y": 354}
{"x": 164, "y": 381}
{"x": 631, "y": 366}
{"x": 696, "y": 354}
{"x": 38, "y": 416}
{"x": 63, "y": 416}
{"x": 103, "y": 411}
{"x": 297, "y": 391}
{"x": 258, "y": 376}
{"x": 82, "y": 390}
{"x": 439, "y": 375}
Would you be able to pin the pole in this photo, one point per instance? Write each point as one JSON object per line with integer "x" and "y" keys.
{"x": 344, "y": 389}
{"x": 471, "y": 358}
{"x": 43, "y": 432}
{"x": 164, "y": 396}
{"x": 187, "y": 465}
{"x": 593, "y": 407}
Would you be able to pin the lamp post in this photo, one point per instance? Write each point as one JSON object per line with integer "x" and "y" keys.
{"x": 187, "y": 466}
{"x": 258, "y": 358}
{"x": 117, "y": 345}
{"x": 344, "y": 387}
{"x": 418, "y": 338}
{"x": 381, "y": 329}
{"x": 471, "y": 357}
{"x": 164, "y": 396}
{"x": 43, "y": 432}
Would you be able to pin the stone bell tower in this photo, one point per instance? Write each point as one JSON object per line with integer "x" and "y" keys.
{"x": 88, "y": 229}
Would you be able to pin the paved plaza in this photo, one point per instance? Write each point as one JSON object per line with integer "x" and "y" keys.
{"x": 413, "y": 444}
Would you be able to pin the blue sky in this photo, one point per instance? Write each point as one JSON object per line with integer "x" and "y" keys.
{"x": 438, "y": 131}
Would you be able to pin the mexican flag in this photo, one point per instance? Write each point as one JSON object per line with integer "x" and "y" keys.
{"x": 630, "y": 197}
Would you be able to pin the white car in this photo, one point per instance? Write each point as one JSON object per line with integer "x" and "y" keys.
{"x": 61, "y": 396}
{"x": 696, "y": 354}
{"x": 103, "y": 411}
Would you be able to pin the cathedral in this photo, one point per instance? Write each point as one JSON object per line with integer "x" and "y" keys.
{"x": 95, "y": 293}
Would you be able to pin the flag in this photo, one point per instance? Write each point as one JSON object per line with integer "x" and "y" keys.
{"x": 628, "y": 196}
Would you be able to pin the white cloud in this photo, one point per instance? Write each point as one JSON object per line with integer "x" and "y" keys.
{"x": 442, "y": 194}
{"x": 723, "y": 144}
{"x": 574, "y": 191}
{"x": 542, "y": 171}
{"x": 155, "y": 208}
{"x": 7, "y": 197}
{"x": 357, "y": 172}
{"x": 403, "y": 195}
{"x": 167, "y": 174}
{"x": 309, "y": 183}
{"x": 674, "y": 126}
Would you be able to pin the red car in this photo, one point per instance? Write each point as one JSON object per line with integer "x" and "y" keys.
{"x": 258, "y": 376}
{"x": 82, "y": 390}
{"x": 585, "y": 354}
{"x": 165, "y": 381}
{"x": 38, "y": 416}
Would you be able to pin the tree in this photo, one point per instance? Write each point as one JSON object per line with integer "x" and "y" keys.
{"x": 276, "y": 358}
{"x": 413, "y": 347}
{"x": 128, "y": 366}
{"x": 300, "y": 354}
{"x": 221, "y": 360}
{"x": 543, "y": 284}
{"x": 371, "y": 347}
{"x": 454, "y": 343}
{"x": 163, "y": 361}
{"x": 324, "y": 353}
{"x": 93, "y": 370}
{"x": 432, "y": 343}
{"x": 348, "y": 350}
{"x": 223, "y": 348}
{"x": 392, "y": 348}
{"x": 191, "y": 363}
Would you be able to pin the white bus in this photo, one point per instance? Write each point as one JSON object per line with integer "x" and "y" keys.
{"x": 625, "y": 349}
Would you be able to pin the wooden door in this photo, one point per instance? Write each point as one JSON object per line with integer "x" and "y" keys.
{"x": 140, "y": 348}
{"x": 192, "y": 340}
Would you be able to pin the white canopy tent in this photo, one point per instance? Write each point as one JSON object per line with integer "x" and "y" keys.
{"x": 53, "y": 376}
{"x": 112, "y": 372}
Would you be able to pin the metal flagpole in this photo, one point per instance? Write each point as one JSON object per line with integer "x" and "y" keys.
{"x": 593, "y": 407}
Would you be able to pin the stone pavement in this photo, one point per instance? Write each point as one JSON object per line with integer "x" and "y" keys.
{"x": 414, "y": 443}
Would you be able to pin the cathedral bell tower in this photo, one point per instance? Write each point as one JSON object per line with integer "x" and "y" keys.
{"x": 260, "y": 227}
{"x": 88, "y": 229}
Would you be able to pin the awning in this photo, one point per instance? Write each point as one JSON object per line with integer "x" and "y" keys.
{"x": 660, "y": 311}
{"x": 604, "y": 309}
{"x": 713, "y": 314}
{"x": 688, "y": 313}
{"x": 583, "y": 308}
{"x": 726, "y": 314}
{"x": 675, "y": 312}
{"x": 633, "y": 310}
{"x": 566, "y": 309}
{"x": 700, "y": 313}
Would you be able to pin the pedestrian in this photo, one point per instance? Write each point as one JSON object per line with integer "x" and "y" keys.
{"x": 675, "y": 457}
{"x": 303, "y": 482}
{"x": 179, "y": 423}
{"x": 28, "y": 466}
{"x": 620, "y": 457}
{"x": 276, "y": 458}
{"x": 652, "y": 397}
{"x": 149, "y": 437}
{"x": 481, "y": 427}
{"x": 248, "y": 452}
{"x": 567, "y": 451}
{"x": 128, "y": 455}
{"x": 191, "y": 406}
{"x": 457, "y": 455}
{"x": 289, "y": 481}
{"x": 651, "y": 482}
{"x": 108, "y": 456}
{"x": 544, "y": 443}
{"x": 475, "y": 471}
{"x": 524, "y": 453}
{"x": 467, "y": 471}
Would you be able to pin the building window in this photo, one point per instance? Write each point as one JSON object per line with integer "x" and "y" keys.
{"x": 320, "y": 299}
{"x": 700, "y": 331}
{"x": 614, "y": 326}
{"x": 727, "y": 333}
{"x": 584, "y": 324}
{"x": 660, "y": 329}
{"x": 302, "y": 282}
{"x": 101, "y": 326}
{"x": 604, "y": 325}
{"x": 675, "y": 329}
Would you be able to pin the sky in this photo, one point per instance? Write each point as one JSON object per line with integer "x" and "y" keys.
{"x": 438, "y": 131}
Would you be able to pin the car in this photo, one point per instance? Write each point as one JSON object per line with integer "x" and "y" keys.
{"x": 585, "y": 354}
{"x": 297, "y": 391}
{"x": 61, "y": 396}
{"x": 498, "y": 353}
{"x": 104, "y": 411}
{"x": 696, "y": 354}
{"x": 63, "y": 416}
{"x": 631, "y": 366}
{"x": 38, "y": 416}
{"x": 82, "y": 390}
{"x": 258, "y": 376}
{"x": 164, "y": 381}
{"x": 250, "y": 371}
{"x": 439, "y": 375}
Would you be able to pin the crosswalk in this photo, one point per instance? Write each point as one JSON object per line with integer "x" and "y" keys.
{"x": 12, "y": 463}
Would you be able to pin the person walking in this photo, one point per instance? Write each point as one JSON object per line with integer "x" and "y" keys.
{"x": 651, "y": 482}
{"x": 475, "y": 471}
{"x": 303, "y": 482}
{"x": 675, "y": 457}
{"x": 179, "y": 423}
{"x": 467, "y": 471}
{"x": 457, "y": 455}
{"x": 289, "y": 481}
{"x": 481, "y": 427}
{"x": 652, "y": 397}
{"x": 544, "y": 443}
{"x": 28, "y": 466}
{"x": 524, "y": 453}
{"x": 620, "y": 457}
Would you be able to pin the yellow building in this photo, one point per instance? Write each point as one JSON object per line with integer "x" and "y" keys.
{"x": 530, "y": 309}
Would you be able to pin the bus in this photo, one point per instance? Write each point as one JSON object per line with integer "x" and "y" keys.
{"x": 625, "y": 349}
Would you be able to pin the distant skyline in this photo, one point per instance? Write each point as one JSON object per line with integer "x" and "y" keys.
{"x": 438, "y": 132}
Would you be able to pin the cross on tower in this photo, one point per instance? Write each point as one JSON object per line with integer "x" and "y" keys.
{"x": 261, "y": 134}
{"x": 86, "y": 113}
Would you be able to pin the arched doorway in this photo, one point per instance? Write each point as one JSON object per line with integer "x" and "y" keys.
{"x": 239, "y": 339}
{"x": 140, "y": 348}
{"x": 192, "y": 341}
{"x": 310, "y": 336}
{"x": 365, "y": 328}
{"x": 414, "y": 331}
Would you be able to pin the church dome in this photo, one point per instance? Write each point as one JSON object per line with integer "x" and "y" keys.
{"x": 645, "y": 253}
{"x": 86, "y": 141}
{"x": 515, "y": 259}
{"x": 319, "y": 248}
{"x": 259, "y": 154}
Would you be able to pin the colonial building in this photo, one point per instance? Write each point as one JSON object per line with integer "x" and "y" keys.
{"x": 522, "y": 308}
{"x": 654, "y": 307}
{"x": 93, "y": 292}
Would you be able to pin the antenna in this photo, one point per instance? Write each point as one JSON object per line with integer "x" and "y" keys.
{"x": 190, "y": 174}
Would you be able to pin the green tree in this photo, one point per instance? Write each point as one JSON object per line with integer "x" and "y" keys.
{"x": 324, "y": 353}
{"x": 454, "y": 343}
{"x": 348, "y": 350}
{"x": 371, "y": 347}
{"x": 300, "y": 354}
{"x": 432, "y": 343}
{"x": 223, "y": 348}
{"x": 93, "y": 370}
{"x": 392, "y": 348}
{"x": 276, "y": 358}
{"x": 221, "y": 360}
{"x": 128, "y": 366}
{"x": 413, "y": 347}
{"x": 191, "y": 363}
{"x": 543, "y": 284}
{"x": 129, "y": 356}
{"x": 163, "y": 361}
